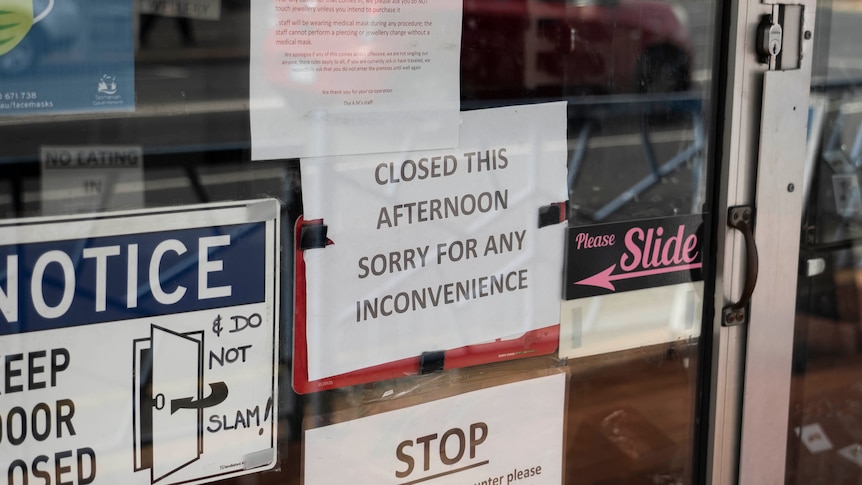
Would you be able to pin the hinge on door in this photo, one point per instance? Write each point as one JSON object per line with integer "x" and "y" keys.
{"x": 780, "y": 35}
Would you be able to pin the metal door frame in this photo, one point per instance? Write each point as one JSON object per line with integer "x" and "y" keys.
{"x": 761, "y": 165}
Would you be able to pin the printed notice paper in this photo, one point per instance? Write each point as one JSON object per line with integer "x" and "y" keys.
{"x": 507, "y": 435}
{"x": 435, "y": 250}
{"x": 340, "y": 77}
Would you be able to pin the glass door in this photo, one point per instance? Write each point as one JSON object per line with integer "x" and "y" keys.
{"x": 641, "y": 103}
{"x": 824, "y": 432}
{"x": 161, "y": 125}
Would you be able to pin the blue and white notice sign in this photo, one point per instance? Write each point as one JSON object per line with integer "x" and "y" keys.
{"x": 139, "y": 347}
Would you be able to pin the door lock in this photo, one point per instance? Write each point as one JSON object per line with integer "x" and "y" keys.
{"x": 780, "y": 37}
{"x": 770, "y": 35}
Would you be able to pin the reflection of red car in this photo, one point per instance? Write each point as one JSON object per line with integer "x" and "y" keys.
{"x": 553, "y": 47}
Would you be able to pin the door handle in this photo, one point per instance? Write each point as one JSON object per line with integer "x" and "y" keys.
{"x": 741, "y": 218}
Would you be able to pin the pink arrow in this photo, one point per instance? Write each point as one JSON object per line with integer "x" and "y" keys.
{"x": 604, "y": 278}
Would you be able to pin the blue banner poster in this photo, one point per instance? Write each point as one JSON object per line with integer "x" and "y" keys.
{"x": 66, "y": 56}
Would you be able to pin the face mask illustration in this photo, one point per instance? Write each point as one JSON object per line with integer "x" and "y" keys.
{"x": 16, "y": 19}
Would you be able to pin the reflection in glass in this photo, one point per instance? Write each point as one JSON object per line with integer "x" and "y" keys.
{"x": 825, "y": 427}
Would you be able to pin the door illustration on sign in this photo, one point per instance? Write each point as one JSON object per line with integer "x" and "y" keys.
{"x": 169, "y": 402}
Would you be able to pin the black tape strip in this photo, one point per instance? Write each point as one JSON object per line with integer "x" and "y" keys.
{"x": 313, "y": 236}
{"x": 431, "y": 361}
{"x": 550, "y": 215}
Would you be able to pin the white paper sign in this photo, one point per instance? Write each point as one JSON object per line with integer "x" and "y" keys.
{"x": 435, "y": 250}
{"x": 338, "y": 77}
{"x": 505, "y": 435}
{"x": 139, "y": 347}
{"x": 77, "y": 179}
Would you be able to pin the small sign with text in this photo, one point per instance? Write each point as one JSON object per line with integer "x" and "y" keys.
{"x": 632, "y": 255}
